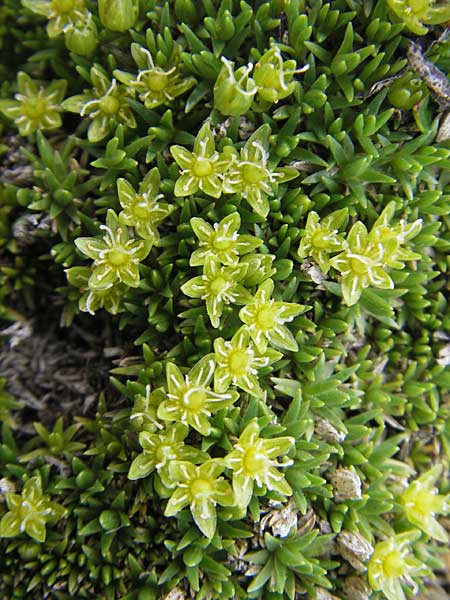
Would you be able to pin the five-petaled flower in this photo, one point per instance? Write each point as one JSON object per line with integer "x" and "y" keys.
{"x": 265, "y": 318}
{"x": 221, "y": 241}
{"x": 362, "y": 264}
{"x": 201, "y": 489}
{"x": 253, "y": 460}
{"x": 218, "y": 286}
{"x": 202, "y": 168}
{"x": 60, "y": 13}
{"x": 154, "y": 85}
{"x": 160, "y": 450}
{"x": 35, "y": 106}
{"x": 30, "y": 512}
{"x": 116, "y": 257}
{"x": 421, "y": 502}
{"x": 392, "y": 563}
{"x": 106, "y": 104}
{"x": 321, "y": 237}
{"x": 417, "y": 14}
{"x": 142, "y": 210}
{"x": 237, "y": 363}
{"x": 251, "y": 175}
{"x": 190, "y": 399}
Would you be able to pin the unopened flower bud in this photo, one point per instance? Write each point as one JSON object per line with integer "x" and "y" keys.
{"x": 82, "y": 37}
{"x": 234, "y": 90}
{"x": 118, "y": 15}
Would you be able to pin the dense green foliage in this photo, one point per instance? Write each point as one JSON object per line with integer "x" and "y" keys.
{"x": 224, "y": 242}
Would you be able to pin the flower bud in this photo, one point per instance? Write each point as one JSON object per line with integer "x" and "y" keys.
{"x": 273, "y": 76}
{"x": 234, "y": 91}
{"x": 82, "y": 38}
{"x": 118, "y": 15}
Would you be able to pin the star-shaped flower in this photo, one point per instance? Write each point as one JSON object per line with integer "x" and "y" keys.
{"x": 60, "y": 13}
{"x": 218, "y": 286}
{"x": 155, "y": 86}
{"x": 362, "y": 264}
{"x": 160, "y": 450}
{"x": 221, "y": 241}
{"x": 106, "y": 104}
{"x": 116, "y": 257}
{"x": 321, "y": 237}
{"x": 251, "y": 176}
{"x": 265, "y": 319}
{"x": 190, "y": 399}
{"x": 253, "y": 460}
{"x": 421, "y": 502}
{"x": 237, "y": 363}
{"x": 392, "y": 563}
{"x": 29, "y": 512}
{"x": 35, "y": 106}
{"x": 142, "y": 210}
{"x": 201, "y": 489}
{"x": 201, "y": 169}
{"x": 417, "y": 14}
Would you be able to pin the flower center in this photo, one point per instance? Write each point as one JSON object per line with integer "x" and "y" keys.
{"x": 218, "y": 286}
{"x": 265, "y": 318}
{"x": 358, "y": 266}
{"x": 165, "y": 452}
{"x": 393, "y": 564}
{"x": 202, "y": 167}
{"x": 156, "y": 81}
{"x": 320, "y": 240}
{"x": 140, "y": 210}
{"x": 117, "y": 257}
{"x": 253, "y": 173}
{"x": 35, "y": 108}
{"x": 109, "y": 105}
{"x": 238, "y": 362}
{"x": 221, "y": 243}
{"x": 201, "y": 487}
{"x": 254, "y": 461}
{"x": 194, "y": 399}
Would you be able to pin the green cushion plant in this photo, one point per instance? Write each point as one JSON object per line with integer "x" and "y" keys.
{"x": 224, "y": 243}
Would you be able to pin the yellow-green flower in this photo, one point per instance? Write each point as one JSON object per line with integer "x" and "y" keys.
{"x": 421, "y": 502}
{"x": 218, "y": 286}
{"x": 251, "y": 176}
{"x": 322, "y": 238}
{"x": 237, "y": 363}
{"x": 106, "y": 104}
{"x": 221, "y": 241}
{"x": 265, "y": 319}
{"x": 273, "y": 76}
{"x": 201, "y": 489}
{"x": 35, "y": 106}
{"x": 393, "y": 236}
{"x": 142, "y": 210}
{"x": 155, "y": 86}
{"x": 201, "y": 169}
{"x": 253, "y": 460}
{"x": 190, "y": 399}
{"x": 60, "y": 13}
{"x": 393, "y": 564}
{"x": 92, "y": 300}
{"x": 417, "y": 14}
{"x": 234, "y": 90}
{"x": 160, "y": 450}
{"x": 362, "y": 264}
{"x": 29, "y": 512}
{"x": 116, "y": 257}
